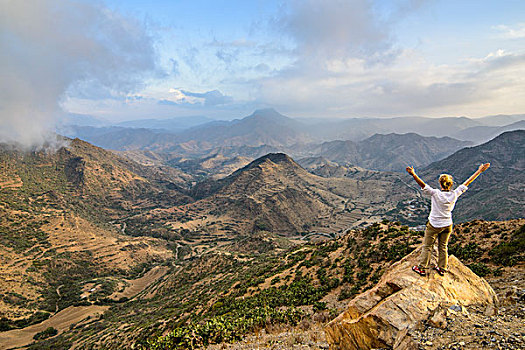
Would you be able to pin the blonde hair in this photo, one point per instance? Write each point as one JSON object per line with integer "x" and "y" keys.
{"x": 446, "y": 181}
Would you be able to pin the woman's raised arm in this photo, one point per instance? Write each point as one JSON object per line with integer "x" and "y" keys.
{"x": 481, "y": 169}
{"x": 411, "y": 171}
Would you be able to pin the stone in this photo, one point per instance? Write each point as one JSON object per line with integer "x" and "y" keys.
{"x": 456, "y": 308}
{"x": 490, "y": 310}
{"x": 438, "y": 319}
{"x": 387, "y": 315}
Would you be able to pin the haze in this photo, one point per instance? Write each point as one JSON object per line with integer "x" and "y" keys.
{"x": 123, "y": 60}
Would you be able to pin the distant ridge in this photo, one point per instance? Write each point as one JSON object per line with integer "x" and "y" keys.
{"x": 170, "y": 124}
{"x": 265, "y": 127}
{"x": 498, "y": 194}
{"x": 481, "y": 134}
{"x": 390, "y": 152}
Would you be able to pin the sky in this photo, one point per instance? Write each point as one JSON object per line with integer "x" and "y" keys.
{"x": 122, "y": 60}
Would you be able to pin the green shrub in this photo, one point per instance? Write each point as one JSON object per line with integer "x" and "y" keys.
{"x": 46, "y": 333}
{"x": 479, "y": 269}
{"x": 319, "y": 306}
{"x": 509, "y": 253}
{"x": 347, "y": 293}
{"x": 470, "y": 251}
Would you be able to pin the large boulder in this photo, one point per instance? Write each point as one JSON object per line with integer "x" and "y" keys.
{"x": 384, "y": 316}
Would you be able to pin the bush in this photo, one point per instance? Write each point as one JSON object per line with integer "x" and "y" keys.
{"x": 319, "y": 306}
{"x": 479, "y": 269}
{"x": 46, "y": 333}
{"x": 5, "y": 324}
{"x": 509, "y": 253}
{"x": 471, "y": 251}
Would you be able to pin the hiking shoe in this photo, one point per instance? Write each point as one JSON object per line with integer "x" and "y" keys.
{"x": 419, "y": 270}
{"x": 440, "y": 270}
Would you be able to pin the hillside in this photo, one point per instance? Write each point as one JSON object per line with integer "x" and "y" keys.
{"x": 60, "y": 224}
{"x": 85, "y": 231}
{"x": 498, "y": 194}
{"x": 287, "y": 294}
{"x": 122, "y": 139}
{"x": 263, "y": 127}
{"x": 390, "y": 152}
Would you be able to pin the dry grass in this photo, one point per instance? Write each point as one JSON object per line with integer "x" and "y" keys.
{"x": 16, "y": 182}
{"x": 110, "y": 250}
{"x": 134, "y": 287}
{"x": 60, "y": 321}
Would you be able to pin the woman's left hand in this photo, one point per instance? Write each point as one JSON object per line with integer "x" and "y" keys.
{"x": 484, "y": 167}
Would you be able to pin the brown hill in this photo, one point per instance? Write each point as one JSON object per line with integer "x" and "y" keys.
{"x": 61, "y": 224}
{"x": 218, "y": 297}
{"x": 275, "y": 194}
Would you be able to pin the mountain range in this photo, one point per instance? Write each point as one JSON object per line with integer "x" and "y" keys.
{"x": 82, "y": 223}
{"x": 392, "y": 152}
{"x": 371, "y": 143}
{"x": 268, "y": 127}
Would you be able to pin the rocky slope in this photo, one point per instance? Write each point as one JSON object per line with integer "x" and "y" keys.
{"x": 388, "y": 314}
{"x": 283, "y": 295}
{"x": 391, "y": 152}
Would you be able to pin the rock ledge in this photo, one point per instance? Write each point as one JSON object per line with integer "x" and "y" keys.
{"x": 384, "y": 316}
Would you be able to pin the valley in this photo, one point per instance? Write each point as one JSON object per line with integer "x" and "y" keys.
{"x": 190, "y": 175}
{"x": 89, "y": 238}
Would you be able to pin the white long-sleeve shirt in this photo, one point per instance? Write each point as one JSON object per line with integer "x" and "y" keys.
{"x": 443, "y": 203}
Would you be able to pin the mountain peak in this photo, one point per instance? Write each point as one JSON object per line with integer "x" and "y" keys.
{"x": 276, "y": 158}
{"x": 267, "y": 114}
{"x": 265, "y": 111}
{"x": 279, "y": 159}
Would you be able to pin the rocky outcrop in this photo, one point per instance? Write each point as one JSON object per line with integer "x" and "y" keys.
{"x": 384, "y": 316}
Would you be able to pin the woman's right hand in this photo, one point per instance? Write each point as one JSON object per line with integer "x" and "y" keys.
{"x": 410, "y": 170}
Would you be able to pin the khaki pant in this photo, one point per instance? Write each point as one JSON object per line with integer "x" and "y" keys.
{"x": 442, "y": 234}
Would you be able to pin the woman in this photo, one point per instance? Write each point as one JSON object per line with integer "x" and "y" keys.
{"x": 439, "y": 225}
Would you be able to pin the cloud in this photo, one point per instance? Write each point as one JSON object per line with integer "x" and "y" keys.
{"x": 209, "y": 99}
{"x": 324, "y": 30}
{"x": 53, "y": 49}
{"x": 409, "y": 86}
{"x": 227, "y": 56}
{"x": 347, "y": 62}
{"x": 511, "y": 33}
